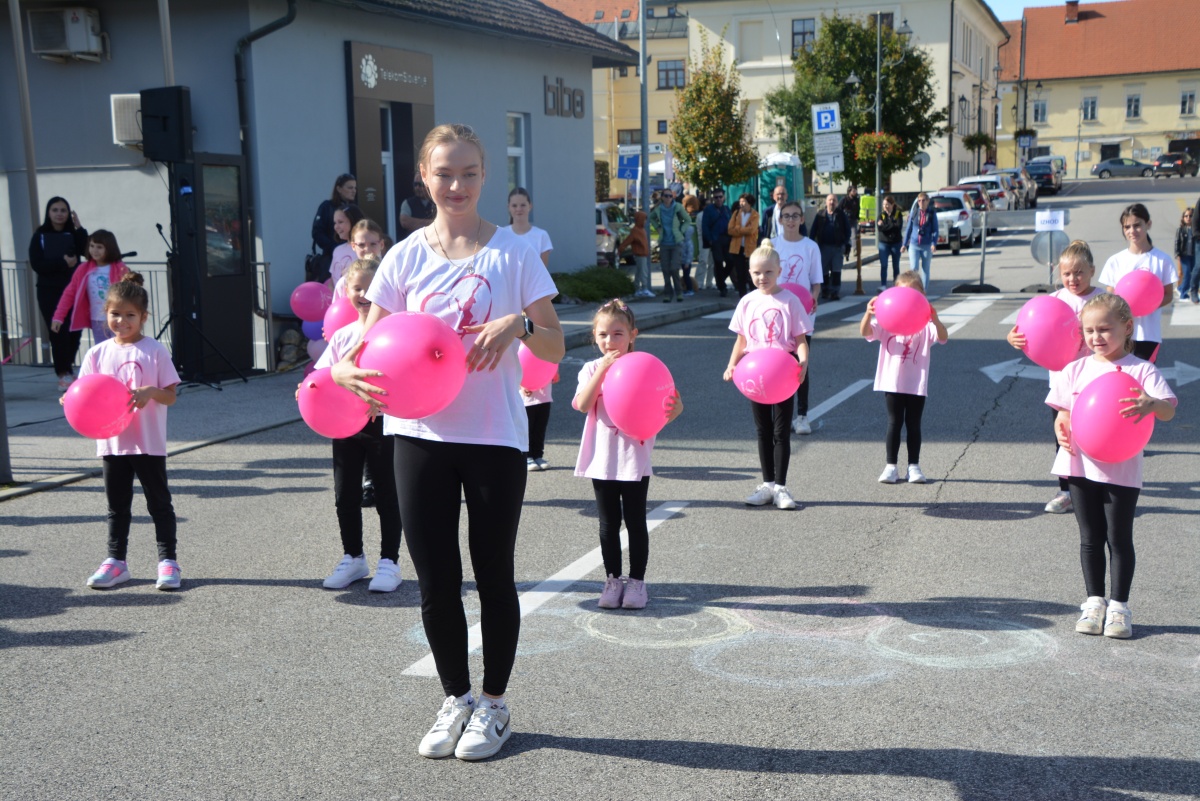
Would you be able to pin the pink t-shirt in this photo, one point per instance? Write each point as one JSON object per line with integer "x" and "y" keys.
{"x": 771, "y": 321}
{"x": 1076, "y": 302}
{"x": 604, "y": 451}
{"x": 343, "y": 255}
{"x": 145, "y": 363}
{"x": 509, "y": 276}
{"x": 343, "y": 341}
{"x": 903, "y": 360}
{"x": 1069, "y": 383}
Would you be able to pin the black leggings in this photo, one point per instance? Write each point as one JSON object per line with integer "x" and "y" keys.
{"x": 1105, "y": 515}
{"x": 1062, "y": 481}
{"x": 351, "y": 455}
{"x": 1145, "y": 349}
{"x": 903, "y": 411}
{"x": 802, "y": 393}
{"x": 774, "y": 424}
{"x": 64, "y": 345}
{"x": 539, "y": 419}
{"x": 738, "y": 265}
{"x": 431, "y": 480}
{"x": 151, "y": 472}
{"x": 614, "y": 500}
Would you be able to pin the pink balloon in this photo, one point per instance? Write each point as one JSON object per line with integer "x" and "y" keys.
{"x": 902, "y": 310}
{"x": 422, "y": 360}
{"x": 635, "y": 389}
{"x": 309, "y": 301}
{"x": 767, "y": 375}
{"x": 330, "y": 410}
{"x": 535, "y": 373}
{"x": 1096, "y": 422}
{"x": 97, "y": 406}
{"x": 1053, "y": 336}
{"x": 315, "y": 348}
{"x": 1142, "y": 290}
{"x": 805, "y": 296}
{"x": 340, "y": 314}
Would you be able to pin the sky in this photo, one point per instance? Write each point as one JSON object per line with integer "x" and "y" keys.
{"x": 1011, "y": 9}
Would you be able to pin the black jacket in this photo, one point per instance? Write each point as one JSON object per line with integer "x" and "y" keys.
{"x": 891, "y": 226}
{"x": 48, "y": 251}
{"x": 851, "y": 206}
{"x": 831, "y": 230}
{"x": 322, "y": 228}
{"x": 1185, "y": 242}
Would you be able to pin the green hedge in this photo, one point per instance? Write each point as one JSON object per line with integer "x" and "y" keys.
{"x": 594, "y": 284}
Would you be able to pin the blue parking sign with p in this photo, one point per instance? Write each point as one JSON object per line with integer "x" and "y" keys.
{"x": 826, "y": 118}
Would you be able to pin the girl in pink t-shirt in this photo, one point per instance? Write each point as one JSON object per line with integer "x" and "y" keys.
{"x": 1076, "y": 268}
{"x": 770, "y": 318}
{"x": 144, "y": 366}
{"x": 617, "y": 464}
{"x": 1104, "y": 494}
{"x": 902, "y": 375}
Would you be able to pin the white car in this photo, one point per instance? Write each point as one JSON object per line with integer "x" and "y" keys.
{"x": 955, "y": 209}
{"x": 1000, "y": 190}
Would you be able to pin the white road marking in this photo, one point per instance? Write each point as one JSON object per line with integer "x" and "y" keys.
{"x": 815, "y": 413}
{"x": 1185, "y": 313}
{"x": 1181, "y": 373}
{"x": 555, "y": 585}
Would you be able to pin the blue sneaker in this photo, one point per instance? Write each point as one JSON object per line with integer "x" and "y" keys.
{"x": 169, "y": 576}
{"x": 110, "y": 573}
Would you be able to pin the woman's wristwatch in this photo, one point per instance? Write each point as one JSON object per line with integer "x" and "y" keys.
{"x": 528, "y": 328}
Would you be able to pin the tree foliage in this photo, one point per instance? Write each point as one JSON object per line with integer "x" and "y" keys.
{"x": 910, "y": 109}
{"x": 709, "y": 139}
{"x": 602, "y": 180}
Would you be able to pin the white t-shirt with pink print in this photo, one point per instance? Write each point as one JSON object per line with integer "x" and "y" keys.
{"x": 508, "y": 277}
{"x": 1076, "y": 302}
{"x": 771, "y": 321}
{"x": 145, "y": 363}
{"x": 606, "y": 452}
{"x": 903, "y": 365}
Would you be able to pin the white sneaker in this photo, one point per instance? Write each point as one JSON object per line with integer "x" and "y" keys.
{"x": 348, "y": 571}
{"x": 447, "y": 729}
{"x": 542, "y": 464}
{"x": 762, "y": 496}
{"x": 784, "y": 499}
{"x": 530, "y": 465}
{"x": 1118, "y": 624}
{"x": 800, "y": 425}
{"x": 487, "y": 730}
{"x": 915, "y": 476}
{"x": 1060, "y": 504}
{"x": 1092, "y": 619}
{"x": 387, "y": 577}
{"x": 889, "y": 475}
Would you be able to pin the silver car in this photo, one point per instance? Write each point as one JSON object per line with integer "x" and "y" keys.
{"x": 1122, "y": 167}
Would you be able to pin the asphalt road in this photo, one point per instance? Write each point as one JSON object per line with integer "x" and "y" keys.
{"x": 882, "y": 642}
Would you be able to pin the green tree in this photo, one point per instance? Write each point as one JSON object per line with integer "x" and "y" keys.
{"x": 602, "y": 180}
{"x": 709, "y": 139}
{"x": 910, "y": 109}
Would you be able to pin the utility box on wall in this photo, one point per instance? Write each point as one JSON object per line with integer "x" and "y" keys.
{"x": 66, "y": 32}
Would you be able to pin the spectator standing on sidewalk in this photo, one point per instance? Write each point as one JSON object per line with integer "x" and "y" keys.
{"x": 714, "y": 239}
{"x": 771, "y": 226}
{"x": 640, "y": 245}
{"x": 889, "y": 234}
{"x": 670, "y": 220}
{"x": 852, "y": 207}
{"x": 920, "y": 235}
{"x": 831, "y": 232}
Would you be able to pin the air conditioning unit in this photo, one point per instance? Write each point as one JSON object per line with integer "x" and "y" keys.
{"x": 66, "y": 32}
{"x": 126, "y": 119}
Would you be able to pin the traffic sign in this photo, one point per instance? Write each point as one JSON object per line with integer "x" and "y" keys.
{"x": 826, "y": 118}
{"x": 827, "y": 144}
{"x": 628, "y": 167}
{"x": 834, "y": 163}
{"x": 636, "y": 150}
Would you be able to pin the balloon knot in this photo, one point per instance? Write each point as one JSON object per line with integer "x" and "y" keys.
{"x": 437, "y": 354}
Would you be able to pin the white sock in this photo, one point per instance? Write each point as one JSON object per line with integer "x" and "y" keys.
{"x": 468, "y": 699}
{"x": 779, "y": 487}
{"x": 1094, "y": 600}
{"x": 496, "y": 702}
{"x": 892, "y": 466}
{"x": 1119, "y": 606}
{"x": 772, "y": 485}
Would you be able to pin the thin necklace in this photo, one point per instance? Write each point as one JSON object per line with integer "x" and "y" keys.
{"x": 469, "y": 263}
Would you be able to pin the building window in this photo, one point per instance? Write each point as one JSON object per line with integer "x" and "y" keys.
{"x": 1039, "y": 111}
{"x": 804, "y": 31}
{"x": 671, "y": 75}
{"x": 629, "y": 136}
{"x": 1133, "y": 106}
{"x": 599, "y": 15}
{"x": 662, "y": 126}
{"x": 625, "y": 13}
{"x": 518, "y": 150}
{"x": 1187, "y": 104}
{"x": 623, "y": 72}
{"x": 1088, "y": 108}
{"x": 1040, "y": 150}
{"x": 887, "y": 19}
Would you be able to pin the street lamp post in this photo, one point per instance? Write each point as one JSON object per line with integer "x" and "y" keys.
{"x": 1078, "y": 139}
{"x": 904, "y": 32}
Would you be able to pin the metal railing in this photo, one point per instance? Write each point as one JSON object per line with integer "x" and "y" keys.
{"x": 23, "y": 334}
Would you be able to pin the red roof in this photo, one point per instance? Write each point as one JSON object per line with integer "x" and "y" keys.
{"x": 1128, "y": 37}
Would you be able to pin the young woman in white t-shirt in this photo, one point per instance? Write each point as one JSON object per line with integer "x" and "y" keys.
{"x": 520, "y": 205}
{"x": 493, "y": 289}
{"x": 1075, "y": 269}
{"x": 1142, "y": 255}
{"x": 800, "y": 263}
{"x": 1105, "y": 494}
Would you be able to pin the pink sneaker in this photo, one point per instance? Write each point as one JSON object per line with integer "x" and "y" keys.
{"x": 610, "y": 596}
{"x": 635, "y": 595}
